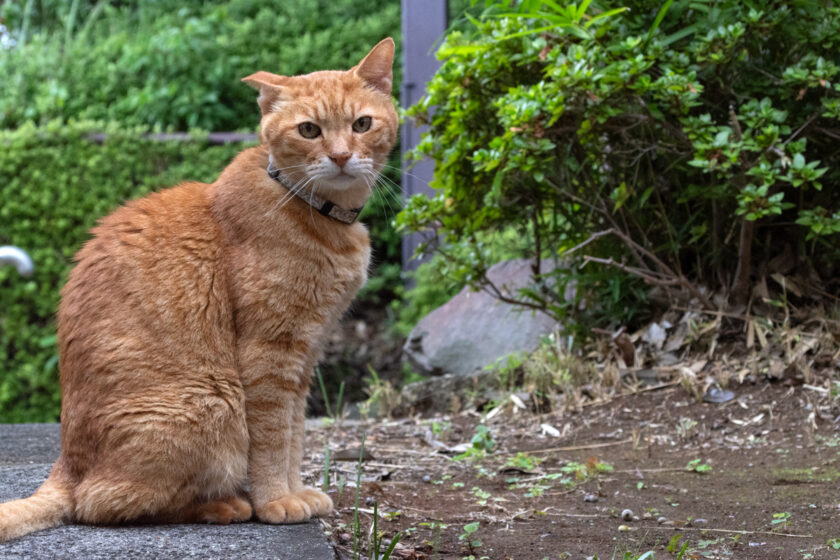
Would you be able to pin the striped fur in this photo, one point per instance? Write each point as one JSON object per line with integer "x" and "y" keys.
{"x": 49, "y": 507}
{"x": 190, "y": 326}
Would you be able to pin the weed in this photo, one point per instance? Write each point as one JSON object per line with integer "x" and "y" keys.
{"x": 340, "y": 488}
{"x": 780, "y": 520}
{"x": 435, "y": 527}
{"x": 378, "y": 538}
{"x": 326, "y": 482}
{"x": 443, "y": 479}
{"x": 441, "y": 429}
{"x": 508, "y": 370}
{"x": 685, "y": 427}
{"x": 697, "y": 465}
{"x": 357, "y": 529}
{"x": 483, "y": 472}
{"x": 586, "y": 471}
{"x": 833, "y": 543}
{"x": 675, "y": 548}
{"x": 333, "y": 414}
{"x": 833, "y": 441}
{"x": 552, "y": 369}
{"x": 480, "y": 444}
{"x": 564, "y": 480}
{"x": 482, "y": 495}
{"x": 392, "y": 515}
{"x": 524, "y": 462}
{"x": 382, "y": 397}
{"x": 536, "y": 490}
{"x": 467, "y": 536}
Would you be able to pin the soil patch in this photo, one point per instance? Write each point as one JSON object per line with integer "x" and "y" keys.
{"x": 755, "y": 478}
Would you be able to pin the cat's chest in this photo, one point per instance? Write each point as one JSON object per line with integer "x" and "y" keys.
{"x": 297, "y": 281}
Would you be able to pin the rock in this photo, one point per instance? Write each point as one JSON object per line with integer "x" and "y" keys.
{"x": 447, "y": 393}
{"x": 352, "y": 454}
{"x": 716, "y": 395}
{"x": 590, "y": 498}
{"x": 661, "y": 519}
{"x": 475, "y": 329}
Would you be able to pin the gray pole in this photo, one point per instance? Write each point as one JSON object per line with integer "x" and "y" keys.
{"x": 423, "y": 23}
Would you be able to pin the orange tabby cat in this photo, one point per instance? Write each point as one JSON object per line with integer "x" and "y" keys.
{"x": 191, "y": 324}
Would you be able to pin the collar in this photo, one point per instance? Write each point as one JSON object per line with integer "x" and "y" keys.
{"x": 324, "y": 207}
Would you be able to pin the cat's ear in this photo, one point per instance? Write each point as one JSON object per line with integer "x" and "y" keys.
{"x": 375, "y": 68}
{"x": 270, "y": 87}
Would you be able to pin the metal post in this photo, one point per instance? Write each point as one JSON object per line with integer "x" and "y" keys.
{"x": 423, "y": 23}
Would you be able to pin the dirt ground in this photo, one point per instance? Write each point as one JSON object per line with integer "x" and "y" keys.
{"x": 755, "y": 478}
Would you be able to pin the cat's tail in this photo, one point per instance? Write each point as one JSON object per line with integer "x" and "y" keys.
{"x": 50, "y": 506}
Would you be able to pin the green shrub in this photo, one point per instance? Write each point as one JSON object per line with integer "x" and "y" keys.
{"x": 682, "y": 144}
{"x": 175, "y": 65}
{"x": 54, "y": 185}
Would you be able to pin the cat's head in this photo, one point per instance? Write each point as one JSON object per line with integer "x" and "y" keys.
{"x": 330, "y": 132}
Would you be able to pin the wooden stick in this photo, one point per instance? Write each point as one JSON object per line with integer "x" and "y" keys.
{"x": 674, "y": 528}
{"x": 573, "y": 447}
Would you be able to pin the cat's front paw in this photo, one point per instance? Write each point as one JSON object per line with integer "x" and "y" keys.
{"x": 295, "y": 507}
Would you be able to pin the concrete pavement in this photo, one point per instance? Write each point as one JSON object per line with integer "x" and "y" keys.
{"x": 27, "y": 452}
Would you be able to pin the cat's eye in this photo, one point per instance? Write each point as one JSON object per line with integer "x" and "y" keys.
{"x": 362, "y": 124}
{"x": 309, "y": 130}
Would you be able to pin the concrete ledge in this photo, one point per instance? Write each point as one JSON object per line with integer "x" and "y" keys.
{"x": 27, "y": 452}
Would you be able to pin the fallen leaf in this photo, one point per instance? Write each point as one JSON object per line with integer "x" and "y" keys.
{"x": 549, "y": 430}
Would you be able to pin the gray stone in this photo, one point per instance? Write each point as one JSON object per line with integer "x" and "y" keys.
{"x": 447, "y": 393}
{"x": 475, "y": 329}
{"x": 27, "y": 452}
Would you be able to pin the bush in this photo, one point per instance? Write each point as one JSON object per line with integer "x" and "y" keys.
{"x": 175, "y": 65}
{"x": 688, "y": 145}
{"x": 54, "y": 185}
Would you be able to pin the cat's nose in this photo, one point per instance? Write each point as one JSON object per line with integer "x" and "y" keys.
{"x": 340, "y": 159}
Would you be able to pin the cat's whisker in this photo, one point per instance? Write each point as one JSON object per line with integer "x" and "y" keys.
{"x": 389, "y": 203}
{"x": 412, "y": 175}
{"x": 392, "y": 186}
{"x": 291, "y": 166}
{"x": 294, "y": 190}
{"x": 311, "y": 194}
{"x": 396, "y": 190}
{"x": 383, "y": 198}
{"x": 282, "y": 202}
{"x": 395, "y": 194}
{"x": 369, "y": 184}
